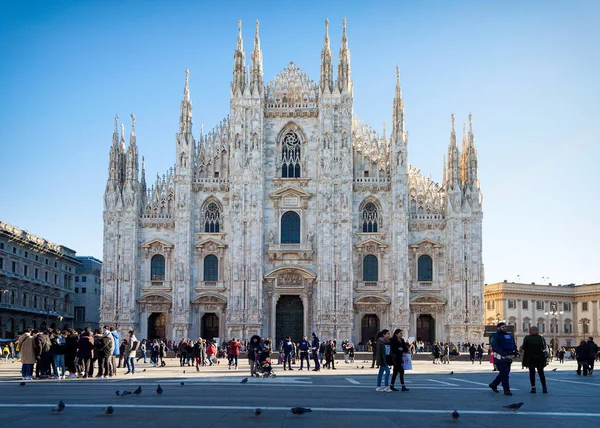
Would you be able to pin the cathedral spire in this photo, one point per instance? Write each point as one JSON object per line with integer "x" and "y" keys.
{"x": 116, "y": 131}
{"x": 185, "y": 119}
{"x": 344, "y": 70}
{"x": 132, "y": 139}
{"x": 398, "y": 109}
{"x": 122, "y": 140}
{"x": 239, "y": 64}
{"x": 453, "y": 178}
{"x": 471, "y": 157}
{"x": 256, "y": 73}
{"x": 463, "y": 156}
{"x": 326, "y": 83}
{"x": 444, "y": 174}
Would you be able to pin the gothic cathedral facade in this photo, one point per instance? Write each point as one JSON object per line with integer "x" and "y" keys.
{"x": 293, "y": 216}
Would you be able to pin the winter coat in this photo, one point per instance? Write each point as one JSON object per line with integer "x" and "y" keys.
{"x": 533, "y": 348}
{"x": 42, "y": 344}
{"x": 85, "y": 347}
{"x": 130, "y": 348}
{"x": 254, "y": 347}
{"x": 583, "y": 353}
{"x": 233, "y": 348}
{"x": 26, "y": 346}
{"x": 383, "y": 351}
{"x": 398, "y": 349}
{"x": 105, "y": 349}
{"x": 71, "y": 345}
{"x": 58, "y": 345}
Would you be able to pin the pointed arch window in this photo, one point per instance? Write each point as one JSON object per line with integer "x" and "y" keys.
{"x": 157, "y": 268}
{"x": 370, "y": 268}
{"x": 212, "y": 218}
{"x": 370, "y": 218}
{"x": 290, "y": 228}
{"x": 290, "y": 156}
{"x": 425, "y": 268}
{"x": 211, "y": 268}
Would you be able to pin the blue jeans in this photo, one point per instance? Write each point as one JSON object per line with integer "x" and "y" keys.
{"x": 315, "y": 356}
{"x": 383, "y": 369}
{"x": 503, "y": 367}
{"x": 59, "y": 362}
{"x": 142, "y": 356}
{"x": 27, "y": 370}
{"x": 130, "y": 364}
{"x": 233, "y": 360}
{"x": 287, "y": 358}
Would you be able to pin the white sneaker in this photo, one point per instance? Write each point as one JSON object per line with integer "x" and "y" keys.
{"x": 386, "y": 389}
{"x": 378, "y": 389}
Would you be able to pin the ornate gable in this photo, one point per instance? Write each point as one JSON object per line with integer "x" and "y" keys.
{"x": 425, "y": 244}
{"x": 370, "y": 245}
{"x": 155, "y": 246}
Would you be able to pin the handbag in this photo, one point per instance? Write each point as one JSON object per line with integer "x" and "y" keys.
{"x": 406, "y": 362}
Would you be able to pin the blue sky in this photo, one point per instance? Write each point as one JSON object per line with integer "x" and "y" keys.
{"x": 528, "y": 71}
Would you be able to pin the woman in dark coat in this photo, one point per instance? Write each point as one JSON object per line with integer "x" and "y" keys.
{"x": 85, "y": 351}
{"x": 254, "y": 347}
{"x": 399, "y": 348}
{"x": 534, "y": 357}
{"x": 583, "y": 355}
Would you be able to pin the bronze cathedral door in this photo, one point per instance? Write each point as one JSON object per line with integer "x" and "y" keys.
{"x": 289, "y": 319}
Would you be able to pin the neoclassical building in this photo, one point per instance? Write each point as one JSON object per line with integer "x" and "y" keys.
{"x": 293, "y": 216}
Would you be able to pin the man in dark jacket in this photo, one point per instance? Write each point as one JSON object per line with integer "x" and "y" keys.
{"x": 254, "y": 347}
{"x": 303, "y": 346}
{"x": 314, "y": 347}
{"x": 105, "y": 351}
{"x": 593, "y": 350}
{"x": 288, "y": 347}
{"x": 42, "y": 348}
{"x": 505, "y": 349}
{"x": 382, "y": 355}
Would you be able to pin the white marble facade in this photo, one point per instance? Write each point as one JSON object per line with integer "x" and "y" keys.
{"x": 292, "y": 214}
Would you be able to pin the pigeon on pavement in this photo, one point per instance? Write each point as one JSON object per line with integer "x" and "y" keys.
{"x": 455, "y": 415}
{"x": 451, "y": 373}
{"x": 300, "y": 410}
{"x": 554, "y": 369}
{"x": 22, "y": 384}
{"x": 109, "y": 410}
{"x": 514, "y": 407}
{"x": 60, "y": 407}
{"x": 257, "y": 411}
{"x": 122, "y": 393}
{"x": 159, "y": 390}
{"x": 138, "y": 391}
{"x": 245, "y": 380}
{"x": 182, "y": 383}
{"x": 362, "y": 367}
{"x": 144, "y": 370}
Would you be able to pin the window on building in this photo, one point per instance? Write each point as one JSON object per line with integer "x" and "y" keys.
{"x": 46, "y": 261}
{"x": 586, "y": 328}
{"x": 370, "y": 218}
{"x": 84, "y": 279}
{"x": 1, "y": 263}
{"x": 26, "y": 254}
{"x": 55, "y": 264}
{"x": 1, "y": 245}
{"x": 157, "y": 268}
{"x": 36, "y": 273}
{"x": 584, "y": 306}
{"x": 212, "y": 218}
{"x": 568, "y": 328}
{"x": 46, "y": 306}
{"x": 512, "y": 304}
{"x": 541, "y": 326}
{"x": 14, "y": 267}
{"x": 76, "y": 289}
{"x": 79, "y": 314}
{"x": 14, "y": 250}
{"x": 567, "y": 307}
{"x": 370, "y": 268}
{"x": 211, "y": 268}
{"x": 23, "y": 299}
{"x": 490, "y": 304}
{"x": 11, "y": 297}
{"x": 76, "y": 279}
{"x": 83, "y": 290}
{"x": 54, "y": 306}
{"x": 290, "y": 228}
{"x": 37, "y": 258}
{"x": 56, "y": 279}
{"x": 425, "y": 268}
{"x": 46, "y": 276}
{"x": 539, "y": 305}
{"x": 525, "y": 304}
{"x": 36, "y": 302}
{"x": 290, "y": 156}
{"x": 526, "y": 326}
{"x": 26, "y": 270}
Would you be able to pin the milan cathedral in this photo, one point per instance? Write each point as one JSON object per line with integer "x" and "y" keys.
{"x": 293, "y": 216}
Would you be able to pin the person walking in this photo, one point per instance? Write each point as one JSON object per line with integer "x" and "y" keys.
{"x": 233, "y": 350}
{"x": 480, "y": 353}
{"x": 593, "y": 351}
{"x": 85, "y": 352}
{"x": 504, "y": 350}
{"x": 382, "y": 355}
{"x": 472, "y": 351}
{"x": 534, "y": 352}
{"x": 398, "y": 348}
{"x": 254, "y": 347}
{"x": 116, "y": 351}
{"x": 105, "y": 352}
{"x": 143, "y": 349}
{"x": 330, "y": 355}
{"x": 58, "y": 350}
{"x": 132, "y": 346}
{"x": 583, "y": 355}
{"x": 25, "y": 344}
{"x": 314, "y": 347}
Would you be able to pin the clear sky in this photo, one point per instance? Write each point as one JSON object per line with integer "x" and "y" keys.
{"x": 527, "y": 70}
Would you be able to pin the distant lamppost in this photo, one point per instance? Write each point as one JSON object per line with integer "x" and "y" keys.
{"x": 584, "y": 323}
{"x": 555, "y": 313}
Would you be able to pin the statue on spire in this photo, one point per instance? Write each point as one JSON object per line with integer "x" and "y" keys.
{"x": 132, "y": 123}
{"x": 116, "y": 123}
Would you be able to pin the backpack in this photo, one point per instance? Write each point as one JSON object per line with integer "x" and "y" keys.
{"x": 136, "y": 345}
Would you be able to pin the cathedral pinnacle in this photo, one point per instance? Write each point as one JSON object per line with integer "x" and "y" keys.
{"x": 239, "y": 64}
{"x": 186, "y": 88}
{"x": 326, "y": 83}
{"x": 132, "y": 124}
{"x": 398, "y": 110}
{"x": 344, "y": 70}
{"x": 256, "y": 72}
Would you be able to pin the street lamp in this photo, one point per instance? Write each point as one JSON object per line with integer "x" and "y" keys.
{"x": 555, "y": 313}
{"x": 583, "y": 324}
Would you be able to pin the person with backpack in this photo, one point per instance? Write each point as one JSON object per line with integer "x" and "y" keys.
{"x": 132, "y": 346}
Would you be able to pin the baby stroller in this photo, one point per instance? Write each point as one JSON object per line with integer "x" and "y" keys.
{"x": 263, "y": 364}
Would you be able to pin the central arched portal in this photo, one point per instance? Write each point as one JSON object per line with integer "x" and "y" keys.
{"x": 289, "y": 318}
{"x": 209, "y": 326}
{"x": 426, "y": 328}
{"x": 157, "y": 326}
{"x": 369, "y": 327}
